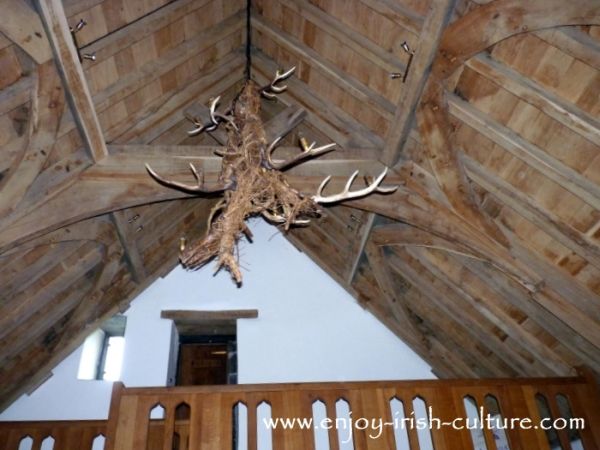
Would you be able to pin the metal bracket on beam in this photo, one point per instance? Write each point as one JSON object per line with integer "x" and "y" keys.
{"x": 74, "y": 30}
{"x": 411, "y": 54}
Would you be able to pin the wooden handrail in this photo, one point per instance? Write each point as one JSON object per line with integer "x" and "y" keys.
{"x": 203, "y": 417}
{"x": 311, "y": 386}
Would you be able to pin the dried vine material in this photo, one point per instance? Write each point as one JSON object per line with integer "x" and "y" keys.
{"x": 252, "y": 184}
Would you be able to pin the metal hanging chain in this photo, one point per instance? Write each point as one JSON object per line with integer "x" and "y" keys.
{"x": 248, "y": 40}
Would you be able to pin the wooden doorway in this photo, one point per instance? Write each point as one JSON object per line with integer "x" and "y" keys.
{"x": 201, "y": 364}
{"x": 207, "y": 360}
{"x": 204, "y": 346}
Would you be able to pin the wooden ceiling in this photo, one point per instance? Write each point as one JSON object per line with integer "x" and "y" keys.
{"x": 486, "y": 261}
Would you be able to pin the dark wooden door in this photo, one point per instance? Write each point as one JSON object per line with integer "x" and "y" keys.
{"x": 201, "y": 364}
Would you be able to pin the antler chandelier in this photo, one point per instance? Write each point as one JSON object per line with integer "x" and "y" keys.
{"x": 252, "y": 183}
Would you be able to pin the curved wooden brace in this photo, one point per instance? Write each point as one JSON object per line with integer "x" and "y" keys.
{"x": 436, "y": 223}
{"x": 404, "y": 234}
{"x": 408, "y": 235}
{"x": 471, "y": 34}
{"x": 46, "y": 109}
{"x": 411, "y": 331}
{"x": 493, "y": 22}
{"x": 25, "y": 29}
{"x": 96, "y": 229}
{"x": 434, "y": 127}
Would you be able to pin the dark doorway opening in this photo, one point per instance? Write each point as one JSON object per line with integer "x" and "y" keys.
{"x": 207, "y": 360}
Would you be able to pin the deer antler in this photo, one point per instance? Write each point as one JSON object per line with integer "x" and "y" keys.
{"x": 278, "y": 218}
{"x": 199, "y": 188}
{"x": 214, "y": 119}
{"x": 308, "y": 151}
{"x": 346, "y": 194}
{"x": 271, "y": 90}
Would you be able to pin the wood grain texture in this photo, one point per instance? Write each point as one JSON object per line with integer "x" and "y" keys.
{"x": 67, "y": 58}
{"x": 211, "y": 407}
{"x": 25, "y": 29}
{"x": 500, "y": 19}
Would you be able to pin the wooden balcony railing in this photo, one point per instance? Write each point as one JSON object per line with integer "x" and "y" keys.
{"x": 233, "y": 417}
{"x": 71, "y": 434}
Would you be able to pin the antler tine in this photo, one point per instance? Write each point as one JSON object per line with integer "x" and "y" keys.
{"x": 278, "y": 218}
{"x": 308, "y": 151}
{"x": 346, "y": 194}
{"x": 268, "y": 162}
{"x": 199, "y": 188}
{"x": 200, "y": 127}
{"x": 214, "y": 115}
{"x": 271, "y": 90}
{"x": 214, "y": 119}
{"x": 213, "y": 106}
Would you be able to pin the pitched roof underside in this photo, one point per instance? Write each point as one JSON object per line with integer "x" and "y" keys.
{"x": 487, "y": 259}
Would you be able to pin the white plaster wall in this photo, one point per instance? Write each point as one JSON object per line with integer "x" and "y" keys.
{"x": 309, "y": 329}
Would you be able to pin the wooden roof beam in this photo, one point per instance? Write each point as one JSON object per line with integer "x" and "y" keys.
{"x": 129, "y": 244}
{"x": 345, "y": 35}
{"x": 498, "y": 20}
{"x": 561, "y": 293}
{"x": 560, "y": 110}
{"x": 425, "y": 48}
{"x": 137, "y": 79}
{"x": 45, "y": 113}
{"x": 521, "y": 203}
{"x": 397, "y": 12}
{"x": 446, "y": 336}
{"x": 574, "y": 42}
{"x": 76, "y": 88}
{"x": 364, "y": 238}
{"x": 121, "y": 181}
{"x": 529, "y": 153}
{"x": 435, "y": 223}
{"x": 441, "y": 266}
{"x": 312, "y": 58}
{"x": 450, "y": 302}
{"x": 514, "y": 294}
{"x": 395, "y": 303}
{"x": 124, "y": 37}
{"x": 332, "y": 120}
{"x": 22, "y": 26}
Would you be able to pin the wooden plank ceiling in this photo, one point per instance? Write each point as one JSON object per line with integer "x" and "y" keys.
{"x": 486, "y": 261}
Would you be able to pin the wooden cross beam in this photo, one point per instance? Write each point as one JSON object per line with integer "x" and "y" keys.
{"x": 121, "y": 181}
